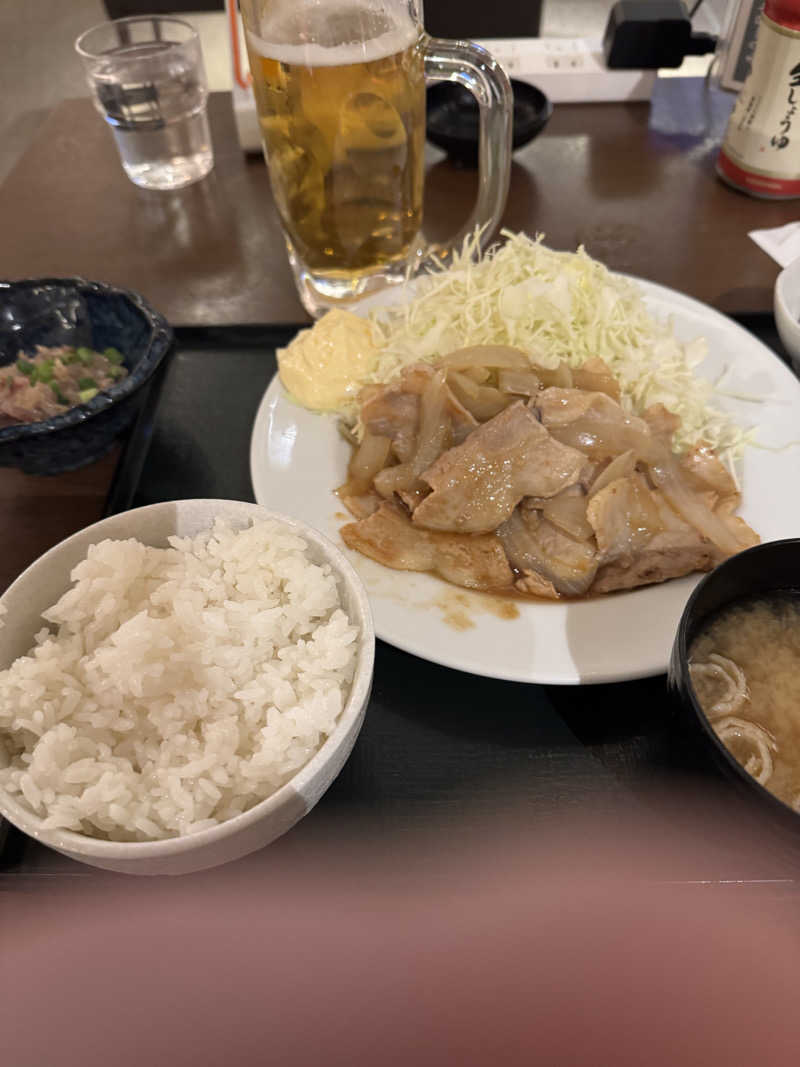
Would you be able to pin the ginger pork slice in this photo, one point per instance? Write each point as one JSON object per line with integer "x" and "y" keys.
{"x": 389, "y": 537}
{"x": 476, "y": 485}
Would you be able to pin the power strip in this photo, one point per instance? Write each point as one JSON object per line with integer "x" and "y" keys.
{"x": 569, "y": 70}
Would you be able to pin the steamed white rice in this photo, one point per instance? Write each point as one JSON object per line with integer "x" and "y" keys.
{"x": 176, "y": 687}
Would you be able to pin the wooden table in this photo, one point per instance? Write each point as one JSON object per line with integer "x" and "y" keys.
{"x": 635, "y": 183}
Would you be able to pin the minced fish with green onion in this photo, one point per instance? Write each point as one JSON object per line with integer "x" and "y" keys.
{"x": 54, "y": 380}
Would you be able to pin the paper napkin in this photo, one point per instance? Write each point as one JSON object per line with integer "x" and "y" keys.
{"x": 781, "y": 242}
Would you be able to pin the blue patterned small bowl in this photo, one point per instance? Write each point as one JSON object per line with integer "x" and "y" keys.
{"x": 71, "y": 311}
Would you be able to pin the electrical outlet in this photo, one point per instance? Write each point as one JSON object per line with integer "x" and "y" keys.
{"x": 569, "y": 70}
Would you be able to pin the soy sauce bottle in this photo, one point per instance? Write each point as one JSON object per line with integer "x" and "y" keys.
{"x": 760, "y": 154}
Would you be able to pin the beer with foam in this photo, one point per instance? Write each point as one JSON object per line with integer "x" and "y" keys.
{"x": 343, "y": 126}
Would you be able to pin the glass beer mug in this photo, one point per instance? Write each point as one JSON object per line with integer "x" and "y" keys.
{"x": 340, "y": 93}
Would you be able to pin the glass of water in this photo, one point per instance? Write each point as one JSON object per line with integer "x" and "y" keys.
{"x": 149, "y": 84}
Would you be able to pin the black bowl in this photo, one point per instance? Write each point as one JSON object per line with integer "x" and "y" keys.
{"x": 71, "y": 311}
{"x": 453, "y": 119}
{"x": 770, "y": 568}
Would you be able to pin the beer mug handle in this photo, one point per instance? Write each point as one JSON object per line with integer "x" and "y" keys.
{"x": 473, "y": 67}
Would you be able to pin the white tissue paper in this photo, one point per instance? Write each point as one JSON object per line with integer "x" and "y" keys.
{"x": 781, "y": 242}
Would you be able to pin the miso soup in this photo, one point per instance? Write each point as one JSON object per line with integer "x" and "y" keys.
{"x": 745, "y": 670}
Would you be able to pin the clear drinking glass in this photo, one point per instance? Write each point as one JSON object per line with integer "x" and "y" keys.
{"x": 149, "y": 84}
{"x": 340, "y": 93}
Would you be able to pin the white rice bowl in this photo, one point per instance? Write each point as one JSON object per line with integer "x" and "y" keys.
{"x": 183, "y": 680}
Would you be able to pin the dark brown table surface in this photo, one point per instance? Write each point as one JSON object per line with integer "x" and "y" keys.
{"x": 635, "y": 183}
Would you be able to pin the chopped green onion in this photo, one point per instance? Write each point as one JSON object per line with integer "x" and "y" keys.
{"x": 59, "y": 395}
{"x": 86, "y": 394}
{"x": 87, "y": 383}
{"x": 44, "y": 372}
{"x": 26, "y": 368}
{"x": 85, "y": 355}
{"x": 113, "y": 355}
{"x": 116, "y": 372}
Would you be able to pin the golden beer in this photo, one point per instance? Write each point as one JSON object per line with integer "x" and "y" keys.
{"x": 343, "y": 127}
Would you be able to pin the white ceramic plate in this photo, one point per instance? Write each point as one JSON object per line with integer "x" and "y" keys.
{"x": 298, "y": 458}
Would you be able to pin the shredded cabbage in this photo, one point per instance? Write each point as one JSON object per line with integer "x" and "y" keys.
{"x": 556, "y": 306}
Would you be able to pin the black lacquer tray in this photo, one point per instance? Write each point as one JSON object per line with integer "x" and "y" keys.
{"x": 439, "y": 747}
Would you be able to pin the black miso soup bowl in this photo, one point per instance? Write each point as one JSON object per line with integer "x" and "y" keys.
{"x": 773, "y": 567}
{"x": 73, "y": 311}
